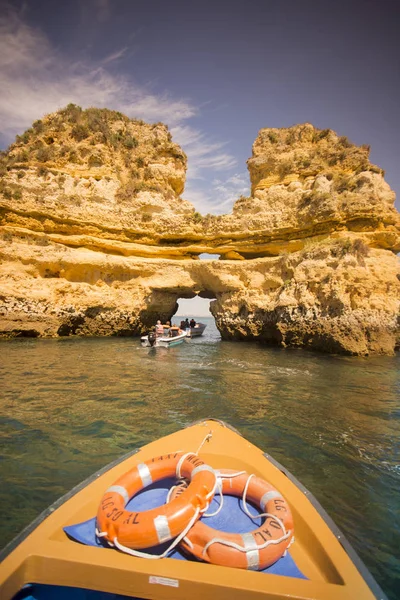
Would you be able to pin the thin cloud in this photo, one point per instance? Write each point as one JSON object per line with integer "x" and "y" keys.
{"x": 202, "y": 199}
{"x": 220, "y": 196}
{"x": 203, "y": 154}
{"x": 186, "y": 134}
{"x": 115, "y": 56}
{"x": 230, "y": 189}
{"x": 36, "y": 79}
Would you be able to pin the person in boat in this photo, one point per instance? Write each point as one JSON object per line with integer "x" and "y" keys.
{"x": 159, "y": 329}
{"x": 186, "y": 326}
{"x": 192, "y": 323}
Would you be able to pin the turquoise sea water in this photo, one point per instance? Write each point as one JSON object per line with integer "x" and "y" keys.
{"x": 70, "y": 406}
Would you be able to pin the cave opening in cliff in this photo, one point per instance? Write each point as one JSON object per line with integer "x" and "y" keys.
{"x": 197, "y": 307}
{"x": 206, "y": 256}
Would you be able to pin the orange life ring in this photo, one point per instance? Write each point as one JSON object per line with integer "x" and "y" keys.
{"x": 255, "y": 550}
{"x": 151, "y": 527}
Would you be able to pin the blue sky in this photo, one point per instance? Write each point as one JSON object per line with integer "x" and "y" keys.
{"x": 215, "y": 72}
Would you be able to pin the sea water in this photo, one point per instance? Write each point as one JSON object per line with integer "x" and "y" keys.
{"x": 70, "y": 406}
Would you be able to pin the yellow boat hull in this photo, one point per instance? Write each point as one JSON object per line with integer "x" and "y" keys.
{"x": 45, "y": 555}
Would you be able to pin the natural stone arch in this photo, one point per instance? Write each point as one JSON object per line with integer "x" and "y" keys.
{"x": 106, "y": 249}
{"x": 163, "y": 303}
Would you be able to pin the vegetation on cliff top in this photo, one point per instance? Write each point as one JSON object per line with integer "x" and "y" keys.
{"x": 74, "y": 135}
{"x": 307, "y": 151}
{"x": 99, "y": 165}
{"x": 97, "y": 143}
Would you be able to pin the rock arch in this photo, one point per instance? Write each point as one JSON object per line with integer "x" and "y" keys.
{"x": 99, "y": 242}
{"x": 162, "y": 301}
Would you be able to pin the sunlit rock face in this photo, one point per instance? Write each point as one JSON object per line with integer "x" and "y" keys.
{"x": 94, "y": 175}
{"x": 310, "y": 184}
{"x": 335, "y": 297}
{"x": 95, "y": 238}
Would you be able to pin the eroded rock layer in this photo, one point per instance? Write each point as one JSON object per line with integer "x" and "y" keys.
{"x": 95, "y": 238}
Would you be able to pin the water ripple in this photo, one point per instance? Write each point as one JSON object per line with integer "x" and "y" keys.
{"x": 68, "y": 407}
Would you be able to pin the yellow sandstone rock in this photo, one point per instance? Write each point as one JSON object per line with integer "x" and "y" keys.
{"x": 95, "y": 238}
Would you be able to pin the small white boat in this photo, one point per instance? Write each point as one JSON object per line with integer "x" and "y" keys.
{"x": 174, "y": 337}
{"x": 197, "y": 330}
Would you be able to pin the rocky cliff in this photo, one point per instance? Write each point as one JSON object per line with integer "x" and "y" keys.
{"x": 95, "y": 238}
{"x": 94, "y": 178}
{"x": 309, "y": 184}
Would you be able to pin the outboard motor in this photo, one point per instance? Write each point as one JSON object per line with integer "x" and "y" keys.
{"x": 152, "y": 338}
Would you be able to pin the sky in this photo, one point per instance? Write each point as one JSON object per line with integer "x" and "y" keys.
{"x": 194, "y": 307}
{"x": 215, "y": 72}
